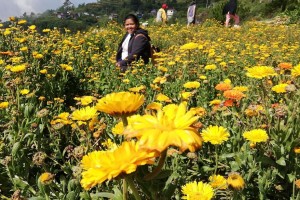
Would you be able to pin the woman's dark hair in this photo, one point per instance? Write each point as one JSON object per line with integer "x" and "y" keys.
{"x": 134, "y": 19}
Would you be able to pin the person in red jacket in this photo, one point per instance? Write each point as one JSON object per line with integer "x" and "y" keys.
{"x": 230, "y": 11}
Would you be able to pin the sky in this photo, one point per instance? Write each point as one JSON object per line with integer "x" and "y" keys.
{"x": 19, "y": 7}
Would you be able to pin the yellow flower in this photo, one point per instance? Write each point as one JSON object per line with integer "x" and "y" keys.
{"x": 137, "y": 89}
{"x": 4, "y": 104}
{"x": 12, "y": 18}
{"x": 99, "y": 166}
{"x": 43, "y": 71}
{"x": 189, "y": 46}
{"x": 193, "y": 84}
{"x": 46, "y": 178}
{"x": 120, "y": 103}
{"x": 256, "y": 135}
{"x": 210, "y": 67}
{"x": 46, "y": 30}
{"x": 215, "y": 102}
{"x": 203, "y": 77}
{"x": 118, "y": 128}
{"x": 171, "y": 126}
{"x": 280, "y": 88}
{"x": 162, "y": 97}
{"x": 32, "y": 27}
{"x": 254, "y": 110}
{"x": 154, "y": 106}
{"x": 24, "y": 49}
{"x": 236, "y": 181}
{"x": 160, "y": 80}
{"x": 199, "y": 111}
{"x": 260, "y": 72}
{"x": 23, "y": 21}
{"x": 215, "y": 134}
{"x": 296, "y": 71}
{"x": 186, "y": 95}
{"x": 24, "y": 91}
{"x": 84, "y": 114}
{"x": 85, "y": 100}
{"x": 241, "y": 88}
{"x": 197, "y": 191}
{"x": 218, "y": 181}
{"x": 18, "y": 68}
{"x": 296, "y": 149}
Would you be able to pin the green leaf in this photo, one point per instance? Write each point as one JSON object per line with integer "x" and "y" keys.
{"x": 281, "y": 161}
{"x": 71, "y": 196}
{"x": 15, "y": 148}
{"x": 291, "y": 177}
{"x": 227, "y": 155}
{"x": 102, "y": 194}
{"x": 36, "y": 198}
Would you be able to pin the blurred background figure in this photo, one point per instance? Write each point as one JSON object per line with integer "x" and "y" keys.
{"x": 191, "y": 13}
{"x": 230, "y": 11}
{"x": 161, "y": 15}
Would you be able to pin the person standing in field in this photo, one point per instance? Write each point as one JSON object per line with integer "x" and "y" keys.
{"x": 230, "y": 11}
{"x": 161, "y": 16}
{"x": 191, "y": 13}
{"x": 134, "y": 45}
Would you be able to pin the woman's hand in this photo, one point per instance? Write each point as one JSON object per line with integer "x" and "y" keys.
{"x": 118, "y": 64}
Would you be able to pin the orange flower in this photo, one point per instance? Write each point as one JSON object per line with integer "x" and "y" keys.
{"x": 223, "y": 86}
{"x": 234, "y": 95}
{"x": 285, "y": 66}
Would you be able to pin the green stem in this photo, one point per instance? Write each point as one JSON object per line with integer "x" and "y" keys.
{"x": 124, "y": 189}
{"x": 217, "y": 159}
{"x": 133, "y": 188}
{"x": 124, "y": 120}
{"x": 160, "y": 165}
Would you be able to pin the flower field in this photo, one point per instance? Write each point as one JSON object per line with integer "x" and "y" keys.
{"x": 217, "y": 117}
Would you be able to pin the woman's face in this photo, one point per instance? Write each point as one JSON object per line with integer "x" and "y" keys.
{"x": 130, "y": 26}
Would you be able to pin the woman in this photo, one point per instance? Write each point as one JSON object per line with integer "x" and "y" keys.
{"x": 191, "y": 13}
{"x": 230, "y": 11}
{"x": 134, "y": 45}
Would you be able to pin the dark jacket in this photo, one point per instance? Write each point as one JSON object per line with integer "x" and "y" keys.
{"x": 138, "y": 47}
{"x": 230, "y": 7}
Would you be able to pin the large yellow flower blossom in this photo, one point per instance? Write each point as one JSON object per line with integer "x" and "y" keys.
{"x": 296, "y": 71}
{"x": 18, "y": 68}
{"x": 236, "y": 181}
{"x": 171, "y": 126}
{"x": 215, "y": 134}
{"x": 197, "y": 191}
{"x": 100, "y": 166}
{"x": 256, "y": 135}
{"x": 280, "y": 88}
{"x": 189, "y": 46}
{"x": 218, "y": 181}
{"x": 192, "y": 84}
{"x": 84, "y": 114}
{"x": 260, "y": 72}
{"x": 120, "y": 103}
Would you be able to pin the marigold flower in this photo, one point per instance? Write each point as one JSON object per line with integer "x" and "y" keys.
{"x": 160, "y": 80}
{"x": 186, "y": 95}
{"x": 234, "y": 94}
{"x": 84, "y": 114}
{"x": 260, "y": 72}
{"x": 192, "y": 84}
{"x": 171, "y": 126}
{"x": 218, "y": 182}
{"x": 236, "y": 181}
{"x": 46, "y": 178}
{"x": 280, "y": 88}
{"x": 254, "y": 110}
{"x": 210, "y": 67}
{"x": 18, "y": 68}
{"x": 241, "y": 88}
{"x": 189, "y": 46}
{"x": 4, "y": 104}
{"x": 24, "y": 91}
{"x": 137, "y": 89}
{"x": 162, "y": 97}
{"x": 199, "y": 111}
{"x": 285, "y": 66}
{"x": 23, "y": 21}
{"x": 215, "y": 134}
{"x": 120, "y": 103}
{"x": 256, "y": 135}
{"x": 296, "y": 71}
{"x": 223, "y": 86}
{"x": 99, "y": 166}
{"x": 154, "y": 106}
{"x": 85, "y": 100}
{"x": 197, "y": 191}
{"x": 297, "y": 150}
